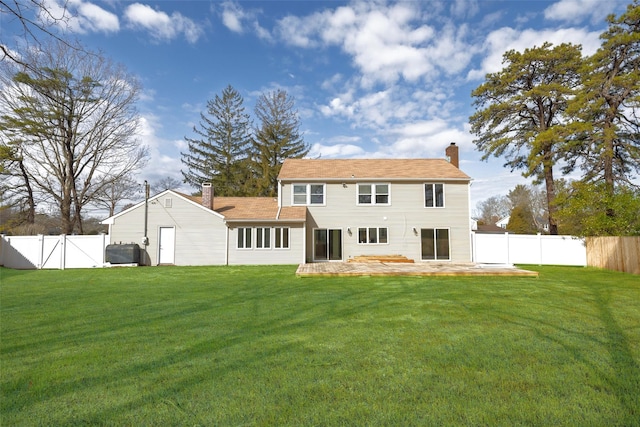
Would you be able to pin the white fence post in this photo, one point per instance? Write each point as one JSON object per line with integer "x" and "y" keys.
{"x": 63, "y": 251}
{"x": 539, "y": 248}
{"x": 40, "y": 251}
{"x": 506, "y": 235}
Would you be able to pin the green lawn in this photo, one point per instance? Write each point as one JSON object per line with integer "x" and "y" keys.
{"x": 259, "y": 346}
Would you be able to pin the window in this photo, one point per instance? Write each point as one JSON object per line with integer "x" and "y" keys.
{"x": 263, "y": 238}
{"x": 373, "y": 194}
{"x": 282, "y": 238}
{"x": 373, "y": 235}
{"x": 299, "y": 194}
{"x": 435, "y": 243}
{"x": 434, "y": 195}
{"x": 167, "y": 202}
{"x": 244, "y": 238}
{"x": 308, "y": 194}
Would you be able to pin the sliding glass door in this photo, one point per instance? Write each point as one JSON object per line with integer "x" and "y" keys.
{"x": 435, "y": 244}
{"x": 327, "y": 244}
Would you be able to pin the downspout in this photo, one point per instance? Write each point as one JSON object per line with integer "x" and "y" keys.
{"x": 472, "y": 246}
{"x": 279, "y": 199}
{"x": 145, "y": 239}
{"x": 226, "y": 243}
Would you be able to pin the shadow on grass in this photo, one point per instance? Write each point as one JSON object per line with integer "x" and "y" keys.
{"x": 256, "y": 321}
{"x": 626, "y": 379}
{"x": 623, "y": 377}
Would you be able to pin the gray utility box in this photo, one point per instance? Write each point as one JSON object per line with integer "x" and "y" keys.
{"x": 127, "y": 253}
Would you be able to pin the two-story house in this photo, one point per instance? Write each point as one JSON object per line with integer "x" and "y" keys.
{"x": 326, "y": 210}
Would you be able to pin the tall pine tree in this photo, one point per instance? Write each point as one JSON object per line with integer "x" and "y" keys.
{"x": 277, "y": 138}
{"x": 606, "y": 109}
{"x": 520, "y": 110}
{"x": 219, "y": 155}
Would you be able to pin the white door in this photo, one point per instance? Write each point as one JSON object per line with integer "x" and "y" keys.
{"x": 167, "y": 244}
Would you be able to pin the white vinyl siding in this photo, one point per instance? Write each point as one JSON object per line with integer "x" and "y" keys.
{"x": 286, "y": 245}
{"x": 200, "y": 235}
{"x": 405, "y": 212}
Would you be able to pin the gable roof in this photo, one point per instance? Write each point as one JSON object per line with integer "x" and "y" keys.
{"x": 369, "y": 169}
{"x": 254, "y": 208}
{"x": 236, "y": 208}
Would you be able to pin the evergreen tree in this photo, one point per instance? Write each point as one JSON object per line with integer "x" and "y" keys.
{"x": 521, "y": 220}
{"x": 521, "y": 110}
{"x": 606, "y": 109}
{"x": 220, "y": 153}
{"x": 276, "y": 139}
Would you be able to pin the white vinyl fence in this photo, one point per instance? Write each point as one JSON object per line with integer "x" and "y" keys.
{"x": 60, "y": 252}
{"x": 528, "y": 249}
{"x": 53, "y": 252}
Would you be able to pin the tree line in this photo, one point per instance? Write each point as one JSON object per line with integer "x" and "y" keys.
{"x": 238, "y": 158}
{"x": 550, "y": 107}
{"x": 69, "y": 126}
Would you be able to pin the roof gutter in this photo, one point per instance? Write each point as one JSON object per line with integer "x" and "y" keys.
{"x": 263, "y": 220}
{"x": 368, "y": 179}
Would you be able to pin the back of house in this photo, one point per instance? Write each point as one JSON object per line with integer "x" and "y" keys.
{"x": 416, "y": 208}
{"x": 326, "y": 210}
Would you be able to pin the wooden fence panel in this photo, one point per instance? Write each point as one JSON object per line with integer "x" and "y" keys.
{"x": 614, "y": 253}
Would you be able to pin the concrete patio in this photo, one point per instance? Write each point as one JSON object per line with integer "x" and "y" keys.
{"x": 408, "y": 269}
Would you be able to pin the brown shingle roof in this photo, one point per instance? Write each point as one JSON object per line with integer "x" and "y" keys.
{"x": 362, "y": 169}
{"x": 253, "y": 208}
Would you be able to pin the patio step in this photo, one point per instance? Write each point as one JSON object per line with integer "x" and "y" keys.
{"x": 381, "y": 258}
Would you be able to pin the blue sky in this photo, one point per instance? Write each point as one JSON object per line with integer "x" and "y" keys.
{"x": 370, "y": 79}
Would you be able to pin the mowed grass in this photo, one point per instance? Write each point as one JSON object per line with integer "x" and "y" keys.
{"x": 259, "y": 346}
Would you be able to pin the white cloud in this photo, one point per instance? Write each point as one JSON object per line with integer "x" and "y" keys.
{"x": 96, "y": 18}
{"x": 427, "y": 138}
{"x": 262, "y": 32}
{"x": 162, "y": 26}
{"x": 575, "y": 11}
{"x": 78, "y": 16}
{"x": 386, "y": 43}
{"x": 237, "y": 19}
{"x": 464, "y": 8}
{"x": 161, "y": 165}
{"x": 232, "y": 16}
{"x": 500, "y": 41}
{"x": 335, "y": 151}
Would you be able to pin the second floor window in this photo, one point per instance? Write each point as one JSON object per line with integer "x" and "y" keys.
{"x": 308, "y": 194}
{"x": 373, "y": 194}
{"x": 434, "y": 195}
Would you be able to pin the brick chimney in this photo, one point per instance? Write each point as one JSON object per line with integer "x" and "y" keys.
{"x": 452, "y": 154}
{"x": 207, "y": 195}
